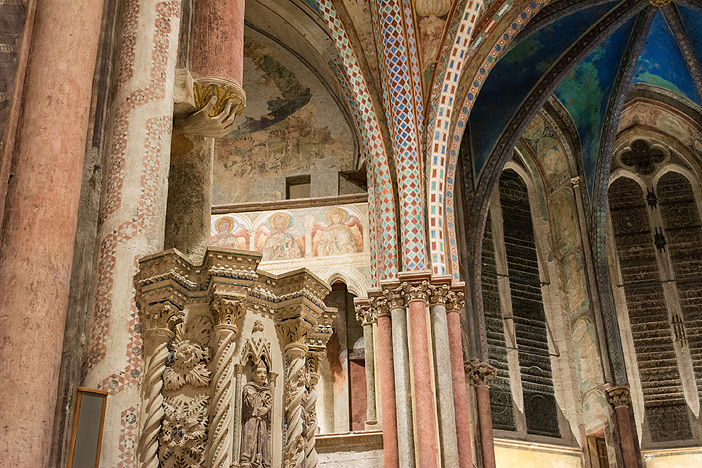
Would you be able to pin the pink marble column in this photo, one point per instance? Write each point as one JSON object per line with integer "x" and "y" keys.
{"x": 36, "y": 241}
{"x": 132, "y": 214}
{"x": 387, "y": 383}
{"x": 423, "y": 394}
{"x": 620, "y": 398}
{"x": 481, "y": 375}
{"x": 218, "y": 40}
{"x": 458, "y": 378}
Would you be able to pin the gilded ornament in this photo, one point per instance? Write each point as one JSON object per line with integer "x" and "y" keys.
{"x": 203, "y": 92}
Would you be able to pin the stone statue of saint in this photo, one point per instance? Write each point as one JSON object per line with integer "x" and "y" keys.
{"x": 256, "y": 412}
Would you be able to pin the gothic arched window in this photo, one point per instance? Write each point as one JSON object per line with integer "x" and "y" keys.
{"x": 658, "y": 238}
{"x": 522, "y": 397}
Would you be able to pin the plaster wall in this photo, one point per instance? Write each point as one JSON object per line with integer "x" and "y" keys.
{"x": 513, "y": 454}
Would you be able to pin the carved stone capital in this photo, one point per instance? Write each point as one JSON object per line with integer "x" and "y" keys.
{"x": 438, "y": 294}
{"x": 619, "y": 395}
{"x": 366, "y": 313}
{"x": 481, "y": 373}
{"x": 575, "y": 182}
{"x": 161, "y": 316}
{"x": 380, "y": 306}
{"x": 394, "y": 297}
{"x": 415, "y": 292}
{"x": 455, "y": 301}
{"x": 226, "y": 310}
{"x": 294, "y": 331}
{"x": 659, "y": 3}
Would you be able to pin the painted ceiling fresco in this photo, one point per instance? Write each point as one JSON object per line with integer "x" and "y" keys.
{"x": 585, "y": 93}
{"x": 661, "y": 63}
{"x": 692, "y": 19}
{"x": 517, "y": 73}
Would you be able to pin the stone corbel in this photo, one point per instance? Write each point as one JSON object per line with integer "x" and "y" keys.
{"x": 481, "y": 373}
{"x": 206, "y": 107}
{"x": 618, "y": 395}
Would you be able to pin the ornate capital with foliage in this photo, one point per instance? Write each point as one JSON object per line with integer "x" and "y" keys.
{"x": 481, "y": 373}
{"x": 415, "y": 292}
{"x": 619, "y": 395}
{"x": 380, "y": 306}
{"x": 366, "y": 313}
{"x": 226, "y": 310}
{"x": 438, "y": 294}
{"x": 163, "y": 316}
{"x": 394, "y": 297}
{"x": 455, "y": 301}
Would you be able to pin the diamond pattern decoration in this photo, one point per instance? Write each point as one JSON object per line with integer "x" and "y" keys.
{"x": 380, "y": 189}
{"x": 461, "y": 111}
{"x": 437, "y": 149}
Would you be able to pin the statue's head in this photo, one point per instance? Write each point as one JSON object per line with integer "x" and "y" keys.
{"x": 260, "y": 372}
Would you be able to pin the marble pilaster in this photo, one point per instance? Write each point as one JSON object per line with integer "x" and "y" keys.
{"x": 415, "y": 294}
{"x": 367, "y": 316}
{"x": 620, "y": 399}
{"x": 454, "y": 304}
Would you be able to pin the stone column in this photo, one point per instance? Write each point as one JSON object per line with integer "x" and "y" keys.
{"x": 367, "y": 316}
{"x": 422, "y": 393}
{"x": 226, "y": 312}
{"x": 387, "y": 382}
{"x": 133, "y": 211}
{"x": 295, "y": 352}
{"x": 401, "y": 367}
{"x": 218, "y": 40}
{"x": 310, "y": 403}
{"x": 159, "y": 321}
{"x": 236, "y": 420}
{"x": 620, "y": 399}
{"x": 482, "y": 374}
{"x": 454, "y": 304}
{"x": 41, "y": 209}
{"x": 210, "y": 97}
{"x": 444, "y": 382}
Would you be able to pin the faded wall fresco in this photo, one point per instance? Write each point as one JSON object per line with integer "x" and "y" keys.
{"x": 329, "y": 240}
{"x": 291, "y": 126}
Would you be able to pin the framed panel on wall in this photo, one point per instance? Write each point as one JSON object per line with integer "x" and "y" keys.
{"x": 86, "y": 437}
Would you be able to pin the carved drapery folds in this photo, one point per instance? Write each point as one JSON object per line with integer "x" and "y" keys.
{"x": 194, "y": 388}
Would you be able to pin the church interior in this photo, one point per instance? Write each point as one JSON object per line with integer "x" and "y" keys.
{"x": 351, "y": 233}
